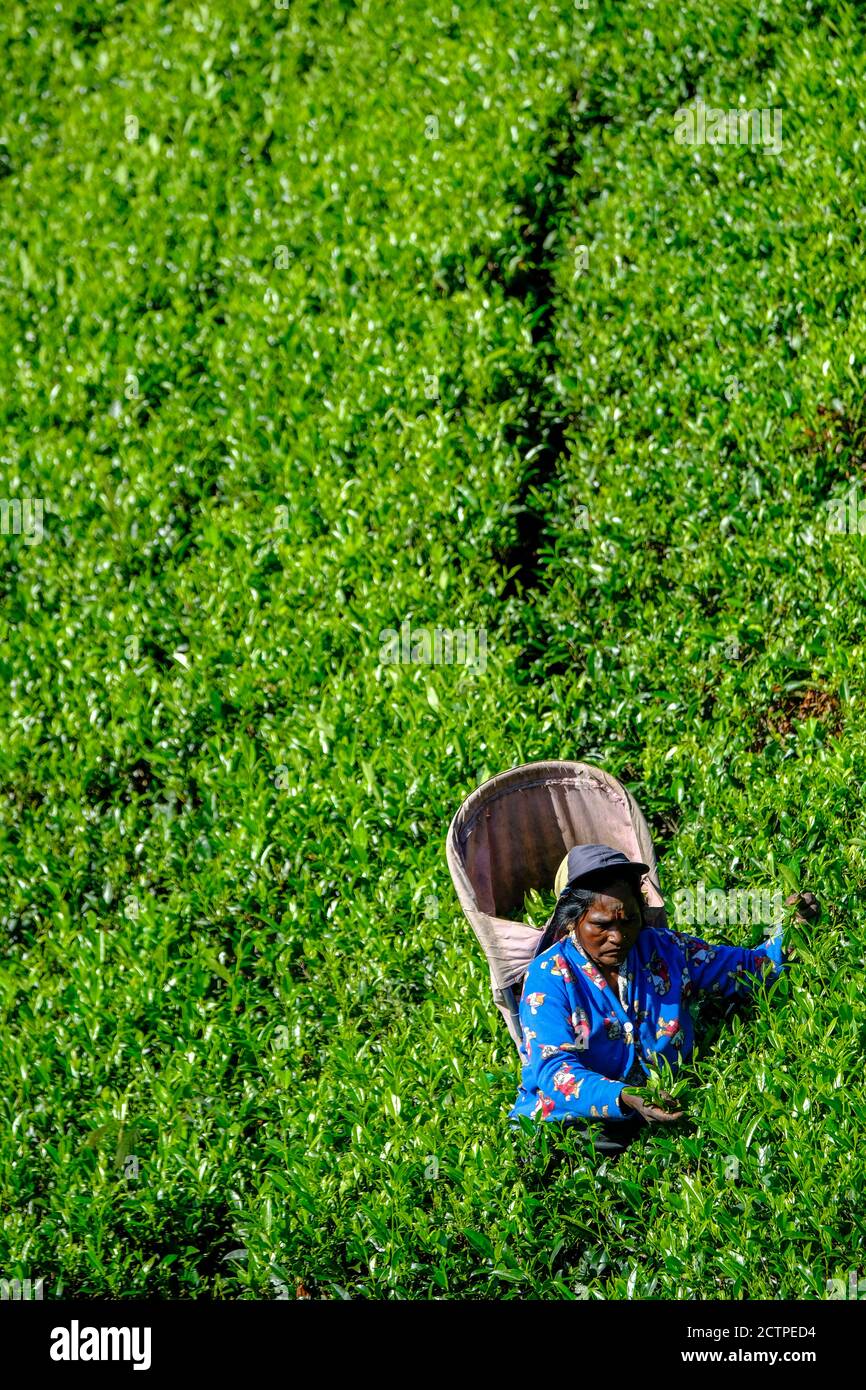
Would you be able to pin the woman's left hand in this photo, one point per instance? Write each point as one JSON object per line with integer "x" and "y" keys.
{"x": 649, "y": 1109}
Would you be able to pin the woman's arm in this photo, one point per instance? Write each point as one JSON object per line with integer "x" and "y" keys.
{"x": 729, "y": 970}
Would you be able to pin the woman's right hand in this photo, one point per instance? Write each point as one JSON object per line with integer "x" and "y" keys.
{"x": 656, "y": 1114}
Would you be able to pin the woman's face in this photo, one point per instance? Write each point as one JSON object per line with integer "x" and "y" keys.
{"x": 607, "y": 932}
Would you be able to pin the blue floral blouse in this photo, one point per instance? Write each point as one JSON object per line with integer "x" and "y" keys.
{"x": 582, "y": 1039}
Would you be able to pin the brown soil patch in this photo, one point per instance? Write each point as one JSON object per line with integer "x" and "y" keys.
{"x": 795, "y": 707}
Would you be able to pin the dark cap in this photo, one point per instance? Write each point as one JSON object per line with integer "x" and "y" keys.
{"x": 585, "y": 861}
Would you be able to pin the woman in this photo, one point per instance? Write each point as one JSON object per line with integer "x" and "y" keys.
{"x": 606, "y": 997}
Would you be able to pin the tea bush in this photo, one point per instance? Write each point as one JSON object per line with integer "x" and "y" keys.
{"x": 327, "y": 323}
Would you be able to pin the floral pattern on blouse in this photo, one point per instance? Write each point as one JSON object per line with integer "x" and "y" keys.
{"x": 582, "y": 1039}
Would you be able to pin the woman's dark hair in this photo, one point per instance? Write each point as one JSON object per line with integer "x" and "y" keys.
{"x": 570, "y": 907}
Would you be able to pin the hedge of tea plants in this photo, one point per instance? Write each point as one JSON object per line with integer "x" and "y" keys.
{"x": 329, "y": 332}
